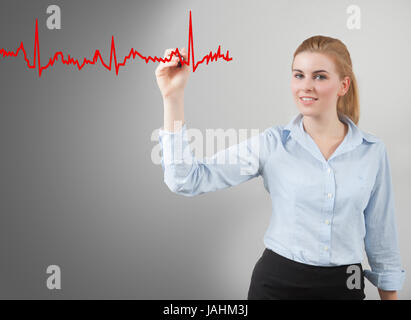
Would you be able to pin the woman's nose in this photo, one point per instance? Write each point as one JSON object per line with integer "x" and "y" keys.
{"x": 308, "y": 85}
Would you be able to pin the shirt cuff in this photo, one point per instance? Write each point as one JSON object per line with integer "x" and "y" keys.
{"x": 175, "y": 147}
{"x": 390, "y": 280}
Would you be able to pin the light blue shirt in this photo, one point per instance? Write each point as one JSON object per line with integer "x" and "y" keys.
{"x": 324, "y": 212}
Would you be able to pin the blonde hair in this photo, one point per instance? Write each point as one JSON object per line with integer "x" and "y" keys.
{"x": 348, "y": 104}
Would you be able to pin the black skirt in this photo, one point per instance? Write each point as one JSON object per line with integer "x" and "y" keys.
{"x": 278, "y": 278}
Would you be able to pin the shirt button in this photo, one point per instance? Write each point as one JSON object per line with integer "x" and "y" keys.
{"x": 329, "y": 170}
{"x": 329, "y": 195}
{"x": 327, "y": 221}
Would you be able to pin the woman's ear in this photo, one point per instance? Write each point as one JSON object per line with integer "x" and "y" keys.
{"x": 345, "y": 85}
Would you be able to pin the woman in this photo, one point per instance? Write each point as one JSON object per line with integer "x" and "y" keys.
{"x": 329, "y": 181}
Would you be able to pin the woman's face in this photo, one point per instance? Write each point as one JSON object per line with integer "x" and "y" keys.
{"x": 314, "y": 75}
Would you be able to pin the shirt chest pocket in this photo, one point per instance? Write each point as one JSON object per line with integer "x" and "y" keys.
{"x": 319, "y": 191}
{"x": 355, "y": 191}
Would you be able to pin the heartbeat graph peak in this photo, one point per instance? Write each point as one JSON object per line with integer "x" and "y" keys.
{"x": 113, "y": 56}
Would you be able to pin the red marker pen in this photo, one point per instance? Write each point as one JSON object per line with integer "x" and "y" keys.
{"x": 179, "y": 62}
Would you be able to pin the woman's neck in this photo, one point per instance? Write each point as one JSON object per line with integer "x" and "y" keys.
{"x": 322, "y": 128}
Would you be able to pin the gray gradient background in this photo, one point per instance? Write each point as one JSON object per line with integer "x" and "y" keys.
{"x": 78, "y": 187}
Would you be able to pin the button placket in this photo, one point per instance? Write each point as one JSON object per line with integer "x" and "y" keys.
{"x": 329, "y": 194}
{"x": 330, "y": 179}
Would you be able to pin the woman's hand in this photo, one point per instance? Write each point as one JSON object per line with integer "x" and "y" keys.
{"x": 388, "y": 295}
{"x": 171, "y": 78}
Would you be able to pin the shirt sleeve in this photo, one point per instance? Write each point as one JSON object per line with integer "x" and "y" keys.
{"x": 186, "y": 175}
{"x": 381, "y": 239}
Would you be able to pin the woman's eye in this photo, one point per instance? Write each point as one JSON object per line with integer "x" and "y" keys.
{"x": 321, "y": 77}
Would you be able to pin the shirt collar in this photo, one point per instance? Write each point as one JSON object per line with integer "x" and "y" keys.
{"x": 354, "y": 136}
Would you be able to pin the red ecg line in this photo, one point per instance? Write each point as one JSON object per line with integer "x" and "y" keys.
{"x": 113, "y": 57}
